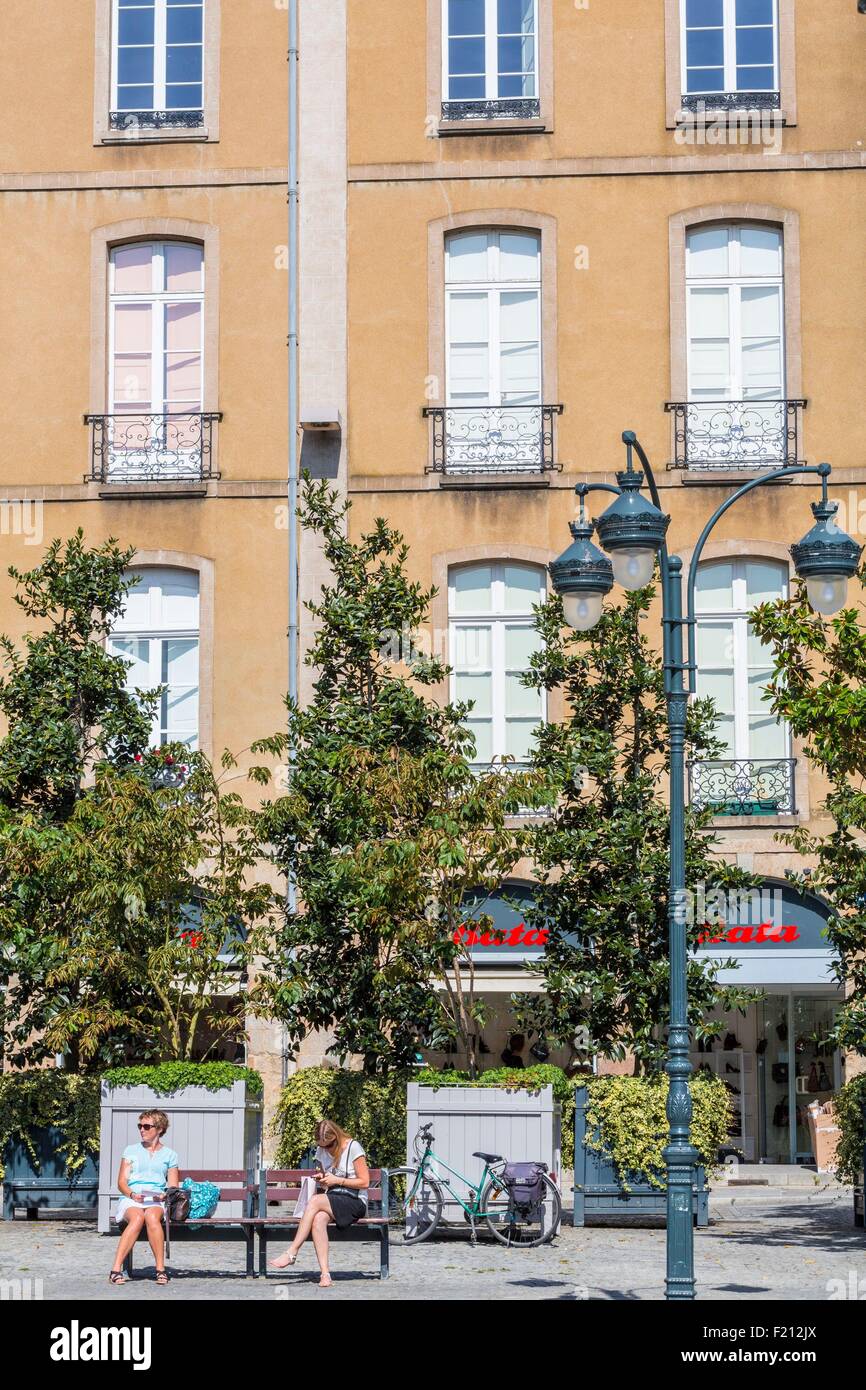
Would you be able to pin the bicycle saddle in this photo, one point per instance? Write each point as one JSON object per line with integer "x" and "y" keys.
{"x": 488, "y": 1158}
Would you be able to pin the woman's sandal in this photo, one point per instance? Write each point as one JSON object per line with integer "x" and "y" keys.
{"x": 162, "y": 1276}
{"x": 283, "y": 1261}
{"x": 323, "y": 1284}
{"x": 117, "y": 1277}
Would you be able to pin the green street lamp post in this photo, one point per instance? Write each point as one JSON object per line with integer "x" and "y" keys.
{"x": 632, "y": 530}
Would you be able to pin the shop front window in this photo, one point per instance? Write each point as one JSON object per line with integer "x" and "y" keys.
{"x": 799, "y": 1066}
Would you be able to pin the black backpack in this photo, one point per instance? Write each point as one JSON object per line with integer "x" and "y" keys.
{"x": 525, "y": 1184}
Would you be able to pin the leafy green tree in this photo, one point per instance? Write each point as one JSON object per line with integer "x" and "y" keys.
{"x": 63, "y": 694}
{"x": 121, "y": 882}
{"x": 819, "y": 687}
{"x": 385, "y": 828}
{"x": 152, "y": 911}
{"x": 602, "y": 856}
{"x": 67, "y": 709}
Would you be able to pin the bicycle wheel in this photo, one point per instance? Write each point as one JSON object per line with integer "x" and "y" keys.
{"x": 414, "y": 1203}
{"x": 521, "y": 1226}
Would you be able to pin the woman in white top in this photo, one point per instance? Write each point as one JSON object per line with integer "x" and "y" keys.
{"x": 343, "y": 1196}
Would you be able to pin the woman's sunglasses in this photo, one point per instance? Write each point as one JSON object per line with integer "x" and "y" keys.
{"x": 147, "y": 1126}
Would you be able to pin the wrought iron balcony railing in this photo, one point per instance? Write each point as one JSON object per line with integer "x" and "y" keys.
{"x": 492, "y": 438}
{"x": 744, "y": 786}
{"x": 499, "y": 109}
{"x": 152, "y": 448}
{"x": 155, "y": 120}
{"x": 735, "y": 435}
{"x": 731, "y": 101}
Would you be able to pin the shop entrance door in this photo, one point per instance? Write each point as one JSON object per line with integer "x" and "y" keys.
{"x": 796, "y": 1066}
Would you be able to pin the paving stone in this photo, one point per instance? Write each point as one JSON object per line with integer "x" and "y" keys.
{"x": 785, "y": 1245}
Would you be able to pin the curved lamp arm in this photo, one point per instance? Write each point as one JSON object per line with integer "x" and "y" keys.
{"x": 822, "y": 470}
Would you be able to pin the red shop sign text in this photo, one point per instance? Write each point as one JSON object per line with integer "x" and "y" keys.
{"x": 516, "y": 936}
{"x": 767, "y": 932}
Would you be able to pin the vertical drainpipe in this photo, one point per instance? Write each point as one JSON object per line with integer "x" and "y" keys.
{"x": 293, "y": 411}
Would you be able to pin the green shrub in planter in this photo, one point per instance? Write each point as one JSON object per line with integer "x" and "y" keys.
{"x": 375, "y": 1111}
{"x": 626, "y": 1118}
{"x": 848, "y": 1106}
{"x": 165, "y": 1078}
{"x": 47, "y": 1099}
{"x": 371, "y": 1110}
{"x": 630, "y": 1111}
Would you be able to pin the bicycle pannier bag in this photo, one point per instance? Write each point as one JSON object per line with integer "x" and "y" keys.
{"x": 525, "y": 1183}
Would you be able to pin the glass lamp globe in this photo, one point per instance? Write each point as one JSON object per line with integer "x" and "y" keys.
{"x": 827, "y": 592}
{"x": 633, "y": 567}
{"x": 582, "y": 611}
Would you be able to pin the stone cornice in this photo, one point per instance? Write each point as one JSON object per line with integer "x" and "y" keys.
{"x": 609, "y": 167}
{"x": 90, "y": 180}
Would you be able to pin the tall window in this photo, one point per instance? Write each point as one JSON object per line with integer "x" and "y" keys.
{"x": 493, "y": 317}
{"x": 157, "y": 59}
{"x": 156, "y": 314}
{"x": 490, "y": 51}
{"x": 730, "y": 46}
{"x": 492, "y": 638}
{"x": 734, "y": 668}
{"x": 735, "y": 325}
{"x": 158, "y": 634}
{"x": 735, "y": 313}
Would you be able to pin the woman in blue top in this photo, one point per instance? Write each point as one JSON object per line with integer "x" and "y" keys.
{"x": 146, "y": 1170}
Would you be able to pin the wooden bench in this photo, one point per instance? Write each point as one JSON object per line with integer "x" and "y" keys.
{"x": 235, "y": 1186}
{"x": 278, "y": 1185}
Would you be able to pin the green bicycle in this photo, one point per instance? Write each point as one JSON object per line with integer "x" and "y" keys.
{"x": 416, "y": 1199}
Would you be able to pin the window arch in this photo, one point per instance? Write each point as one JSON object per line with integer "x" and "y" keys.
{"x": 491, "y": 640}
{"x": 158, "y": 633}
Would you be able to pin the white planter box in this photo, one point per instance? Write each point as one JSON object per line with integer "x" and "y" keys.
{"x": 521, "y": 1125}
{"x": 207, "y": 1129}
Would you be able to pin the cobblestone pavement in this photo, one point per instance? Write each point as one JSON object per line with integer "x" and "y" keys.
{"x": 771, "y": 1246}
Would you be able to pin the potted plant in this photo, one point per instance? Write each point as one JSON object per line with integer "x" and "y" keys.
{"x": 620, "y": 1131}
{"x": 49, "y": 1141}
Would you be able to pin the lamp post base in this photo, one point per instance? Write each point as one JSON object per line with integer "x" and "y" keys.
{"x": 681, "y": 1160}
